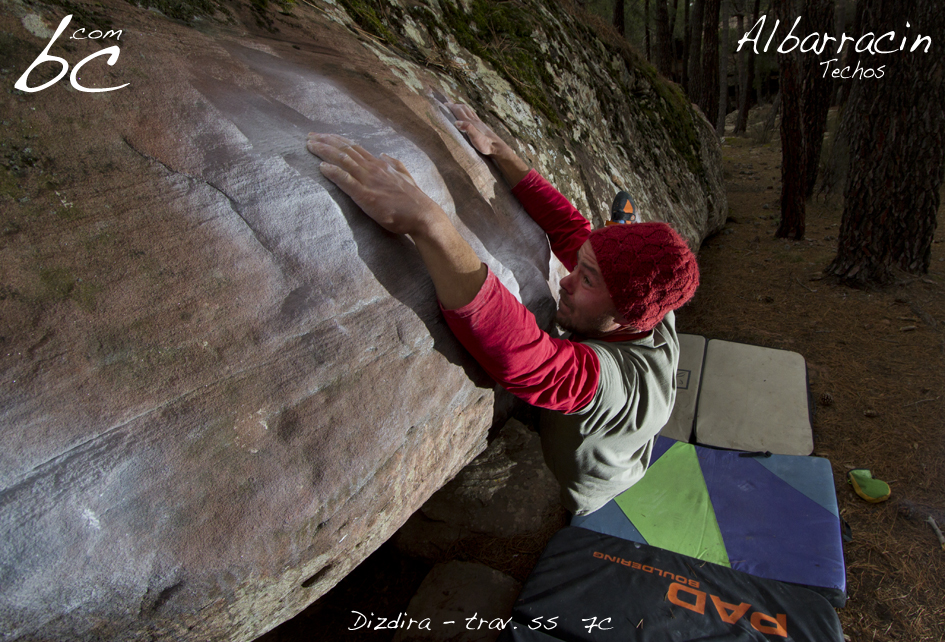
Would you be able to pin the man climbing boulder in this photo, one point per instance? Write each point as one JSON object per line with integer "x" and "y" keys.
{"x": 606, "y": 390}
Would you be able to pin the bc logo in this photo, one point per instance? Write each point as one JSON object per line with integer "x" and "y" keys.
{"x": 111, "y": 52}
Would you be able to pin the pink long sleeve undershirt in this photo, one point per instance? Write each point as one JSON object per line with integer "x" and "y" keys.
{"x": 503, "y": 336}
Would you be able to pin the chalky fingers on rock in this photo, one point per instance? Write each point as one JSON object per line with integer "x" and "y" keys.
{"x": 341, "y": 152}
{"x": 381, "y": 187}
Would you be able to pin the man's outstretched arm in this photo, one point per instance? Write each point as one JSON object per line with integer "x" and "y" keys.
{"x": 496, "y": 328}
{"x": 384, "y": 189}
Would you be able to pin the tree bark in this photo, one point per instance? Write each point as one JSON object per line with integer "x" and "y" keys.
{"x": 792, "y": 138}
{"x": 672, "y": 23}
{"x": 618, "y": 17}
{"x": 817, "y": 90}
{"x": 897, "y": 145}
{"x": 723, "y": 68}
{"x": 741, "y": 62}
{"x": 695, "y": 53}
{"x": 664, "y": 60}
{"x": 837, "y": 167}
{"x": 850, "y": 55}
{"x": 744, "y": 98}
{"x": 687, "y": 42}
{"x": 710, "y": 59}
{"x": 646, "y": 28}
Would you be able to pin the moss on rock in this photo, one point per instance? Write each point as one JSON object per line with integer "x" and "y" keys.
{"x": 507, "y": 37}
{"x": 365, "y": 14}
{"x": 672, "y": 112}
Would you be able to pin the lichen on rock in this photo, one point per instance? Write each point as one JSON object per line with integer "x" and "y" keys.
{"x": 565, "y": 92}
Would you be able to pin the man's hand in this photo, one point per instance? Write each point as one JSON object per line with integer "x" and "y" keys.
{"x": 488, "y": 143}
{"x": 382, "y": 187}
{"x": 480, "y": 134}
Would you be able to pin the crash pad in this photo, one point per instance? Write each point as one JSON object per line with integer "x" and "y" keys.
{"x": 774, "y": 517}
{"x": 688, "y": 376}
{"x": 754, "y": 398}
{"x": 589, "y": 586}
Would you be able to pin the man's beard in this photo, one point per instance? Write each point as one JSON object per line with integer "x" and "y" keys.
{"x": 591, "y": 328}
{"x": 563, "y": 323}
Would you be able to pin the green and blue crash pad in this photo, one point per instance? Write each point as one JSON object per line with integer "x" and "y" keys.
{"x": 592, "y": 587}
{"x": 773, "y": 516}
{"x": 754, "y": 398}
{"x": 688, "y": 376}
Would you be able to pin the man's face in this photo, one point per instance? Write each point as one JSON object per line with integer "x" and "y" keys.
{"x": 584, "y": 304}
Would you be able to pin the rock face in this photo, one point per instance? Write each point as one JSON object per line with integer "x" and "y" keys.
{"x": 507, "y": 491}
{"x": 223, "y": 386}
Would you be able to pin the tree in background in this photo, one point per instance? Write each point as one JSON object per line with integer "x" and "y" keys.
{"x": 897, "y": 144}
{"x": 746, "y": 75}
{"x": 819, "y": 16}
{"x": 672, "y": 24}
{"x": 646, "y": 27}
{"x": 848, "y": 19}
{"x": 851, "y": 55}
{"x": 664, "y": 40}
{"x": 804, "y": 107}
{"x": 694, "y": 87}
{"x": 709, "y": 94}
{"x": 792, "y": 140}
{"x": 687, "y": 45}
{"x": 726, "y": 11}
{"x": 618, "y": 19}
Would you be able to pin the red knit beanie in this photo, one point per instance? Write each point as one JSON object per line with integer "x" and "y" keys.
{"x": 648, "y": 268}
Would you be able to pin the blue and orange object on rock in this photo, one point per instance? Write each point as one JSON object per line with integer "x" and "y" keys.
{"x": 623, "y": 210}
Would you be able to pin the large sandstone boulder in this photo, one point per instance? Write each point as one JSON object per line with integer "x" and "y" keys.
{"x": 223, "y": 386}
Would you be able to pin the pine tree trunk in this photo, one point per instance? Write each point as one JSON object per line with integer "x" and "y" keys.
{"x": 792, "y": 138}
{"x": 687, "y": 43}
{"x": 723, "y": 68}
{"x": 837, "y": 167}
{"x": 897, "y": 145}
{"x": 618, "y": 18}
{"x": 817, "y": 91}
{"x": 646, "y": 28}
{"x": 672, "y": 23}
{"x": 745, "y": 104}
{"x": 663, "y": 41}
{"x": 850, "y": 55}
{"x": 710, "y": 59}
{"x": 742, "y": 62}
{"x": 695, "y": 53}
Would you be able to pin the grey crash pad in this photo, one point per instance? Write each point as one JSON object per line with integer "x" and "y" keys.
{"x": 688, "y": 376}
{"x": 755, "y": 399}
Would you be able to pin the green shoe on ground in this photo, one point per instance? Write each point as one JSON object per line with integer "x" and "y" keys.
{"x": 870, "y": 489}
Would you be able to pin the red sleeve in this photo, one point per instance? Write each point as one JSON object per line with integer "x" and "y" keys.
{"x": 502, "y": 335}
{"x": 566, "y": 228}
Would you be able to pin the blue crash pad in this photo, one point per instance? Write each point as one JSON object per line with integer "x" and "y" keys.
{"x": 776, "y": 517}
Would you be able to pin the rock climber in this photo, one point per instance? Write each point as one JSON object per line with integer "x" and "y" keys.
{"x": 606, "y": 390}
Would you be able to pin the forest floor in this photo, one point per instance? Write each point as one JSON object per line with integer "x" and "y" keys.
{"x": 876, "y": 362}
